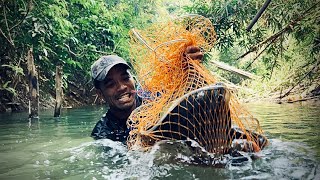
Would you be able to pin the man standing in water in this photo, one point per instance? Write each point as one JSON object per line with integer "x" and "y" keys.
{"x": 115, "y": 84}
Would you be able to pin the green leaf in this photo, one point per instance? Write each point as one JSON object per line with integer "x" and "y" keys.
{"x": 16, "y": 69}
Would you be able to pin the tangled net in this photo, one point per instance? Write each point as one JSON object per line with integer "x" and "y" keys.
{"x": 180, "y": 100}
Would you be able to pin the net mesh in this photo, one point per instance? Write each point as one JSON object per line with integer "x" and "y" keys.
{"x": 179, "y": 98}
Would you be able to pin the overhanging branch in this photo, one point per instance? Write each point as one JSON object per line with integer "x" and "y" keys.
{"x": 279, "y": 33}
{"x": 255, "y": 19}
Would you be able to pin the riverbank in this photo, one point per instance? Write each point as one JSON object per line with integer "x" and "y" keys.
{"x": 307, "y": 92}
{"x": 294, "y": 99}
{"x": 77, "y": 97}
{"x": 311, "y": 98}
{"x": 74, "y": 96}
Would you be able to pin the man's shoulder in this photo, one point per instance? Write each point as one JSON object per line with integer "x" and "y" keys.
{"x": 101, "y": 129}
{"x": 103, "y": 120}
{"x": 106, "y": 128}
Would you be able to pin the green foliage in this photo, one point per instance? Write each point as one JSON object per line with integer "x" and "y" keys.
{"x": 68, "y": 33}
{"x": 285, "y": 31}
{"x": 229, "y": 19}
{"x": 5, "y": 87}
{"x": 18, "y": 70}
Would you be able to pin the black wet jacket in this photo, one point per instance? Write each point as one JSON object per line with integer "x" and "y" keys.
{"x": 109, "y": 127}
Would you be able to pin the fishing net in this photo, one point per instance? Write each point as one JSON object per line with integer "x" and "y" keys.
{"x": 181, "y": 98}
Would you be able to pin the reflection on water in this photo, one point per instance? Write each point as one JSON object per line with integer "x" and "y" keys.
{"x": 60, "y": 148}
{"x": 290, "y": 122}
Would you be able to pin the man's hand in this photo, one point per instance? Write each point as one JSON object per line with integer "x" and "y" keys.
{"x": 194, "y": 53}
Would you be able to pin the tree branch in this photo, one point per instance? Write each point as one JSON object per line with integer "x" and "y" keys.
{"x": 279, "y": 33}
{"x": 304, "y": 99}
{"x": 255, "y": 19}
{"x": 233, "y": 70}
{"x": 6, "y": 22}
{"x": 28, "y": 10}
{"x": 70, "y": 51}
{"x": 6, "y": 38}
{"x": 260, "y": 53}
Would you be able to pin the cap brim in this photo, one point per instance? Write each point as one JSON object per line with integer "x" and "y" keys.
{"x": 102, "y": 75}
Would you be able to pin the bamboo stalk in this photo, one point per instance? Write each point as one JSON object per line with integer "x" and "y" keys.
{"x": 255, "y": 19}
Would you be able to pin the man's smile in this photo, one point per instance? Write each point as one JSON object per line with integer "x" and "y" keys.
{"x": 125, "y": 97}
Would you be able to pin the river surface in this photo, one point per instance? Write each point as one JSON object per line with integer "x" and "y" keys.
{"x": 60, "y": 148}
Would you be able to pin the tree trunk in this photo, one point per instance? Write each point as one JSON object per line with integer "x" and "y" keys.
{"x": 57, "y": 109}
{"x": 33, "y": 86}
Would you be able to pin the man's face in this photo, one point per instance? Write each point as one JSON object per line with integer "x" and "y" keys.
{"x": 117, "y": 89}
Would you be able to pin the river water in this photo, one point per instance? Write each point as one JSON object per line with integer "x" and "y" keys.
{"x": 60, "y": 148}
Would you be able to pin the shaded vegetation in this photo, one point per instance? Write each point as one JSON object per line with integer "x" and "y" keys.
{"x": 68, "y": 33}
{"x": 282, "y": 47}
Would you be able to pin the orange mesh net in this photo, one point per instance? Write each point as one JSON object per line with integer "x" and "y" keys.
{"x": 180, "y": 100}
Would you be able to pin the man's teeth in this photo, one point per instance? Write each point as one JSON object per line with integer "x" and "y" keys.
{"x": 124, "y": 96}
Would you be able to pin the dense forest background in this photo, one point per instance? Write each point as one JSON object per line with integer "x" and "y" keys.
{"x": 281, "y": 49}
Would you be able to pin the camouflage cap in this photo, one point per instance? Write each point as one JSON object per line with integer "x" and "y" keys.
{"x": 101, "y": 67}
